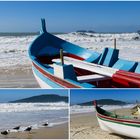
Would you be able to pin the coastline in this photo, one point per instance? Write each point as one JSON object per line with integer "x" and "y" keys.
{"x": 56, "y": 132}
{"x": 85, "y": 126}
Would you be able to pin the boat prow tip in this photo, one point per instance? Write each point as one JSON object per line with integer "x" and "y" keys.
{"x": 43, "y": 25}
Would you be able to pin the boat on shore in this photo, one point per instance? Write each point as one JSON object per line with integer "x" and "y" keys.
{"x": 123, "y": 125}
{"x": 57, "y": 63}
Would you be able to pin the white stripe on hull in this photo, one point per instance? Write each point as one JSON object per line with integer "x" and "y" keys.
{"x": 41, "y": 83}
{"x": 124, "y": 130}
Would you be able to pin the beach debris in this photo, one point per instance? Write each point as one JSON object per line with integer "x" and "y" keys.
{"x": 136, "y": 109}
{"x": 6, "y": 132}
{"x": 16, "y": 128}
{"x": 45, "y": 124}
{"x": 29, "y": 128}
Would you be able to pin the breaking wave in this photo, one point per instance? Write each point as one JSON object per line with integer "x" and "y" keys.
{"x": 22, "y": 107}
{"x": 77, "y": 109}
{"x": 14, "y": 49}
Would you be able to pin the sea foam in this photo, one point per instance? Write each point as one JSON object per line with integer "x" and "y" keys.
{"x": 32, "y": 114}
{"x": 21, "y": 107}
{"x": 14, "y": 49}
{"x": 77, "y": 109}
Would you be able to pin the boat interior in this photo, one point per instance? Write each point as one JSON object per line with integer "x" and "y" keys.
{"x": 100, "y": 71}
{"x": 117, "y": 116}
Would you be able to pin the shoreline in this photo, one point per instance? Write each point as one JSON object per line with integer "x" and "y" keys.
{"x": 56, "y": 132}
{"x": 85, "y": 126}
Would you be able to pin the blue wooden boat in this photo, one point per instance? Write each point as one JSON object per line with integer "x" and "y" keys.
{"x": 57, "y": 63}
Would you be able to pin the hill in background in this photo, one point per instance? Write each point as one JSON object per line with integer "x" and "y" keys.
{"x": 43, "y": 98}
{"x": 104, "y": 102}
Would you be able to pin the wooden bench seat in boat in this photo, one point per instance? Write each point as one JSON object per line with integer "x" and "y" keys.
{"x": 94, "y": 58}
{"x": 67, "y": 72}
{"x": 109, "y": 57}
{"x": 103, "y": 70}
{"x": 92, "y": 78}
{"x": 125, "y": 65}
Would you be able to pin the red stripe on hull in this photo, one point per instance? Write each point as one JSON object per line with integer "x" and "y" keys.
{"x": 75, "y": 56}
{"x": 118, "y": 120}
{"x": 55, "y": 79}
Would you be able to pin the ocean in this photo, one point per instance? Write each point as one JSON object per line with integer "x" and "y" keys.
{"x": 14, "y": 46}
{"x": 32, "y": 114}
{"x": 78, "y": 109}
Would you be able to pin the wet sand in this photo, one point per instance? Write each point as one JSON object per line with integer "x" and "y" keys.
{"x": 18, "y": 77}
{"x": 85, "y": 126}
{"x": 56, "y": 132}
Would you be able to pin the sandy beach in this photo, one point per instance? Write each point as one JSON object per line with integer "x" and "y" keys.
{"x": 19, "y": 77}
{"x": 85, "y": 126}
{"x": 56, "y": 132}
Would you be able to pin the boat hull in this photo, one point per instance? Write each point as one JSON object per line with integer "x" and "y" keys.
{"x": 42, "y": 84}
{"x": 44, "y": 81}
{"x": 119, "y": 127}
{"x": 81, "y": 63}
{"x": 48, "y": 80}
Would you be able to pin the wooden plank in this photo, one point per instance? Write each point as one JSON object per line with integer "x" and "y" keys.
{"x": 103, "y": 70}
{"x": 92, "y": 78}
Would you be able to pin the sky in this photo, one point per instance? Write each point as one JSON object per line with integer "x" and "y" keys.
{"x": 76, "y": 95}
{"x": 70, "y": 16}
{"x": 15, "y": 94}
{"x": 127, "y": 95}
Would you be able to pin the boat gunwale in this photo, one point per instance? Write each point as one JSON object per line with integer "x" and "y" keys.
{"x": 123, "y": 120}
{"x": 119, "y": 122}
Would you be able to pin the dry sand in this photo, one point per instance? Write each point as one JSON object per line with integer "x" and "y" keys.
{"x": 17, "y": 77}
{"x": 85, "y": 126}
{"x": 56, "y": 132}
